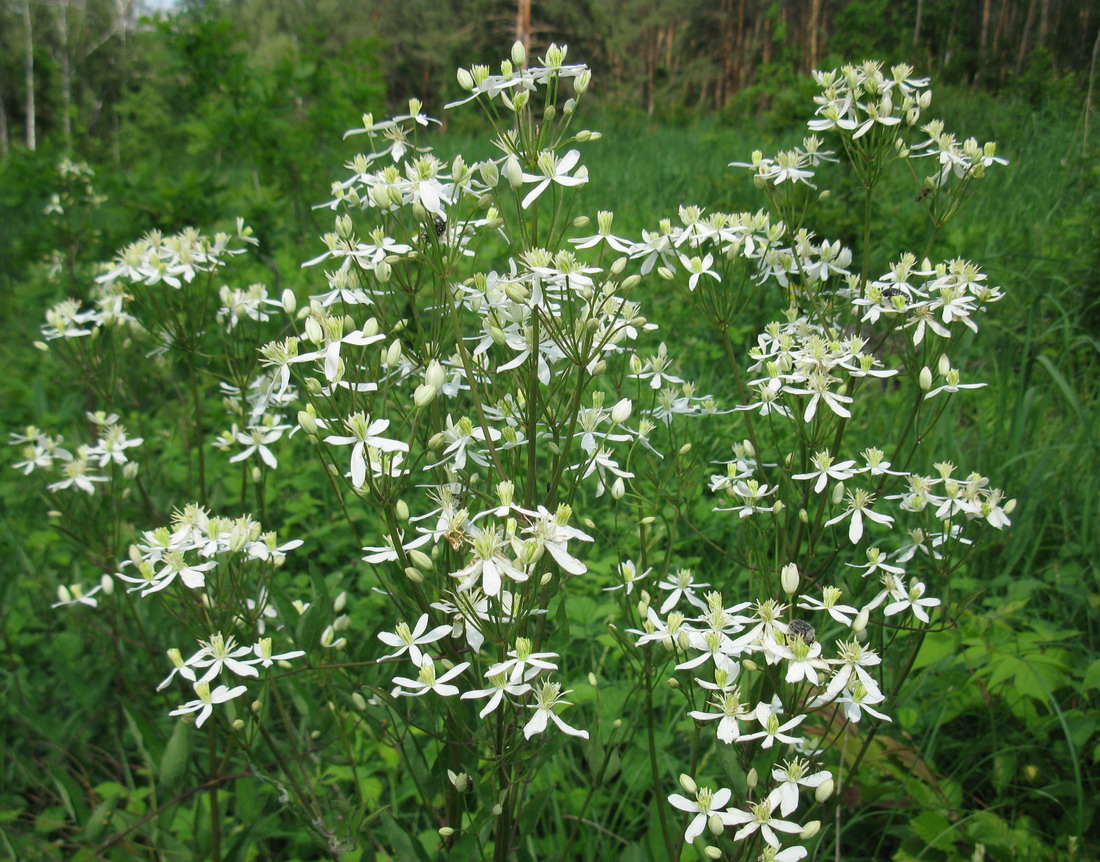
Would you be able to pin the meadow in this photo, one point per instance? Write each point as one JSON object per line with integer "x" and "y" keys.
{"x": 540, "y": 562}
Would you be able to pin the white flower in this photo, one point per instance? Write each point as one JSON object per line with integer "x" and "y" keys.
{"x": 912, "y": 599}
{"x": 554, "y": 170}
{"x": 547, "y": 696}
{"x": 705, "y": 804}
{"x": 859, "y": 505}
{"x": 498, "y": 687}
{"x": 428, "y": 681}
{"x": 222, "y": 652}
{"x": 365, "y": 433}
{"x": 759, "y": 817}
{"x": 825, "y": 469}
{"x": 698, "y": 267}
{"x": 792, "y": 775}
{"x": 204, "y": 705}
{"x": 405, "y": 640}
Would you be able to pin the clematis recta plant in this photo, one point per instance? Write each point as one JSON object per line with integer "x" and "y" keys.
{"x": 508, "y": 429}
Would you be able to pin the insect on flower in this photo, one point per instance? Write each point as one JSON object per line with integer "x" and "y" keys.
{"x": 802, "y": 629}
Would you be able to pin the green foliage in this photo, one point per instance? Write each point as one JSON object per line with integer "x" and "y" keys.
{"x": 996, "y": 742}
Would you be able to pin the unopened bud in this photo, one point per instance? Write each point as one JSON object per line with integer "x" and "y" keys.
{"x": 290, "y": 301}
{"x": 789, "y": 579}
{"x": 424, "y": 395}
{"x": 810, "y": 830}
{"x": 413, "y": 575}
{"x": 465, "y": 80}
{"x": 622, "y": 410}
{"x": 446, "y": 831}
{"x": 513, "y": 172}
{"x": 308, "y": 422}
{"x": 925, "y": 378}
{"x": 421, "y": 560}
{"x": 860, "y": 622}
{"x": 824, "y": 790}
{"x": 688, "y": 783}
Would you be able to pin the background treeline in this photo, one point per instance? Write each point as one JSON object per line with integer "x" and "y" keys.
{"x": 83, "y": 71}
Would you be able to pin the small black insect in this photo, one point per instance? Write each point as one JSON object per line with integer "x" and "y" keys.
{"x": 802, "y": 629}
{"x": 439, "y": 224}
{"x": 891, "y": 291}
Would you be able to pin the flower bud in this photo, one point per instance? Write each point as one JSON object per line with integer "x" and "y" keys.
{"x": 290, "y": 301}
{"x": 712, "y": 852}
{"x": 665, "y": 273}
{"x": 519, "y": 54}
{"x": 421, "y": 560}
{"x": 618, "y": 488}
{"x": 581, "y": 82}
{"x": 810, "y": 830}
{"x": 402, "y": 510}
{"x": 715, "y": 824}
{"x": 446, "y": 831}
{"x": 860, "y": 622}
{"x": 465, "y": 80}
{"x": 340, "y": 603}
{"x": 925, "y": 379}
{"x": 513, "y": 172}
{"x": 107, "y": 584}
{"x": 413, "y": 575}
{"x": 307, "y": 422}
{"x": 424, "y": 395}
{"x": 621, "y": 411}
{"x": 824, "y": 790}
{"x": 788, "y": 577}
{"x": 393, "y": 353}
{"x": 688, "y": 783}
{"x": 838, "y": 493}
{"x": 358, "y": 701}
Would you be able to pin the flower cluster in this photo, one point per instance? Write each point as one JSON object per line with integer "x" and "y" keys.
{"x": 83, "y": 468}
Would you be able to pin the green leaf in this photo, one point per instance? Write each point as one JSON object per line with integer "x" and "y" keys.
{"x": 177, "y": 754}
{"x": 403, "y": 844}
{"x": 311, "y": 624}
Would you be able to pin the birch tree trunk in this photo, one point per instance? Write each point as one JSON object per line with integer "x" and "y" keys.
{"x": 28, "y": 47}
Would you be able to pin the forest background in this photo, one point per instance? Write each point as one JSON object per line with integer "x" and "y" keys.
{"x": 215, "y": 110}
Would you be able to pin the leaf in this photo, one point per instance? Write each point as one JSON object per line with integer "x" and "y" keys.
{"x": 1092, "y": 676}
{"x": 404, "y": 846}
{"x": 310, "y": 626}
{"x": 177, "y": 754}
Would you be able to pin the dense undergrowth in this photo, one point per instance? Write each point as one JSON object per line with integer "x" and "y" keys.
{"x": 994, "y": 741}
